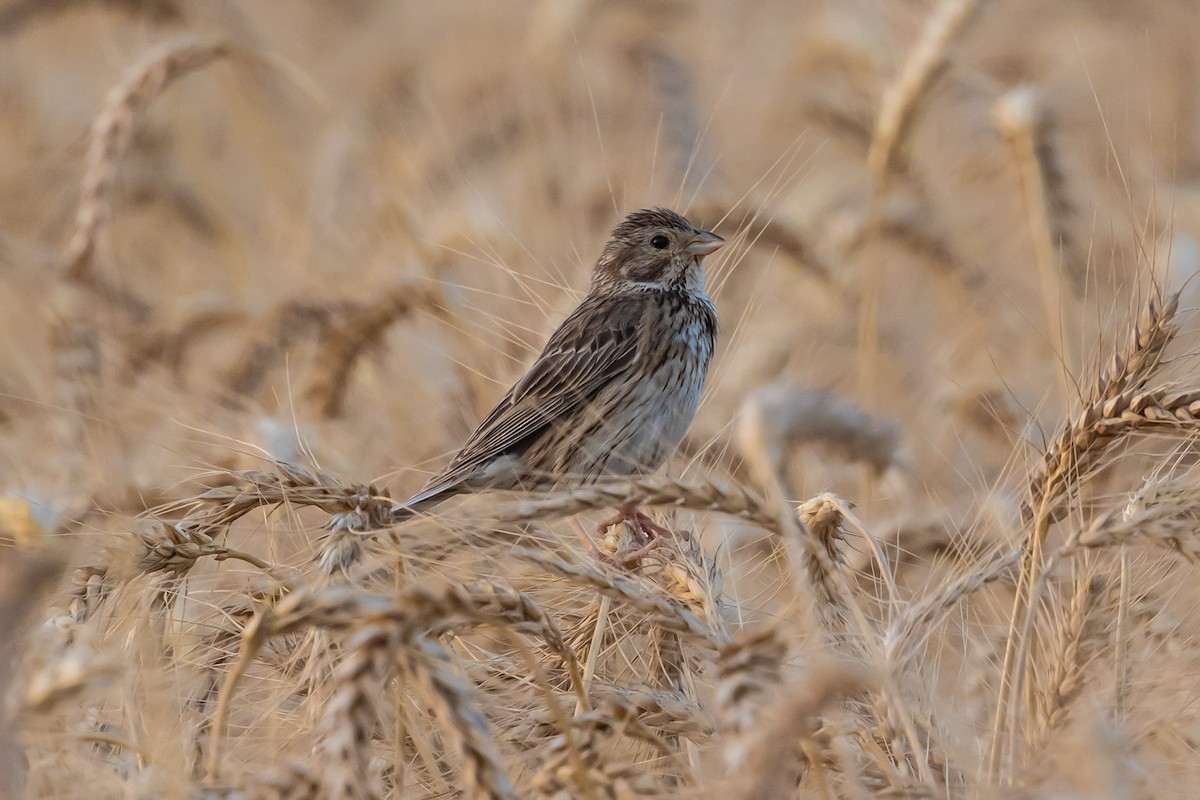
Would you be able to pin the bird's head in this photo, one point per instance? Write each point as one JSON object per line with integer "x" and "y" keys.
{"x": 655, "y": 249}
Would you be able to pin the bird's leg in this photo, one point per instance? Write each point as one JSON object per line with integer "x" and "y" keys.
{"x": 652, "y": 530}
{"x": 630, "y": 556}
{"x": 588, "y": 545}
{"x": 626, "y": 514}
{"x": 640, "y": 523}
{"x": 624, "y": 554}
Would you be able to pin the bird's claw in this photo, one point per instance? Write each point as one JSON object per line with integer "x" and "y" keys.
{"x": 640, "y": 524}
{"x": 647, "y": 534}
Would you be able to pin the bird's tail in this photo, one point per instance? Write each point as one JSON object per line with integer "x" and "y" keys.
{"x": 424, "y": 500}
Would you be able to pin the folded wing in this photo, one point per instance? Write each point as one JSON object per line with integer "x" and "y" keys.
{"x": 594, "y": 346}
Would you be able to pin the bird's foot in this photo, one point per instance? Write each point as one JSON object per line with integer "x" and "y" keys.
{"x": 645, "y": 532}
{"x": 640, "y": 524}
{"x": 623, "y": 555}
{"x": 652, "y": 531}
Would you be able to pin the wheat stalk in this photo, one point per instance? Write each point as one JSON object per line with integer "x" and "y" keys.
{"x": 1115, "y": 407}
{"x": 749, "y": 672}
{"x": 360, "y": 507}
{"x": 773, "y": 765}
{"x": 463, "y": 721}
{"x": 1077, "y": 640}
{"x": 111, "y": 134}
{"x": 176, "y": 547}
{"x": 640, "y": 595}
{"x": 824, "y": 560}
{"x": 901, "y": 100}
{"x": 415, "y": 611}
{"x": 1027, "y": 122}
{"x": 909, "y": 631}
{"x": 347, "y": 338}
{"x": 349, "y": 717}
{"x": 1163, "y": 512}
{"x": 1024, "y": 124}
{"x": 780, "y": 415}
{"x": 733, "y": 500}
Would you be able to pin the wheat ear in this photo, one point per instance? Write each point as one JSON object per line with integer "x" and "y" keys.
{"x": 111, "y": 134}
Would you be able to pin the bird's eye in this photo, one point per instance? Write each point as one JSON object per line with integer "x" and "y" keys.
{"x": 659, "y": 242}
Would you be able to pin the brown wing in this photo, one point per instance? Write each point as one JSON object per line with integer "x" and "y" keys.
{"x": 593, "y": 346}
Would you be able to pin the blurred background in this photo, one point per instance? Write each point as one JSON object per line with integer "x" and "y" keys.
{"x": 334, "y": 233}
{"x": 1044, "y": 173}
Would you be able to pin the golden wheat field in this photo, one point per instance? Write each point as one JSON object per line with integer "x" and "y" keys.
{"x": 264, "y": 265}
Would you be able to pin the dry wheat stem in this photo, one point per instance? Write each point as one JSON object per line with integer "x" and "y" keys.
{"x": 641, "y": 595}
{"x": 561, "y": 720}
{"x": 664, "y": 710}
{"x": 826, "y": 582}
{"x": 175, "y": 547}
{"x": 772, "y": 767}
{"x": 1117, "y": 394}
{"x": 364, "y": 505}
{"x": 1022, "y": 122}
{"x": 823, "y": 563}
{"x": 1162, "y": 512}
{"x": 1081, "y": 444}
{"x": 349, "y": 717}
{"x": 112, "y": 132}
{"x": 89, "y": 589}
{"x": 1076, "y": 450}
{"x": 901, "y": 102}
{"x": 1116, "y": 405}
{"x": 1122, "y": 666}
{"x": 463, "y": 720}
{"x": 733, "y": 500}
{"x": 749, "y": 672}
{"x": 345, "y": 340}
{"x": 819, "y": 561}
{"x": 593, "y": 654}
{"x": 923, "y": 64}
{"x": 827, "y": 504}
{"x": 415, "y": 611}
{"x": 910, "y": 630}
{"x": 779, "y": 415}
{"x": 1068, "y": 663}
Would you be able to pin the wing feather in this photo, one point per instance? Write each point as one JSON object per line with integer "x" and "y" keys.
{"x": 597, "y": 344}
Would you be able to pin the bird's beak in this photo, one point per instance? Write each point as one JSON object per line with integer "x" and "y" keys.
{"x": 703, "y": 243}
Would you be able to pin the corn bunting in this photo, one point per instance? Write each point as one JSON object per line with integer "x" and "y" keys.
{"x": 617, "y": 385}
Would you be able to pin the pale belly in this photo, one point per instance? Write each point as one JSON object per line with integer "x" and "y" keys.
{"x": 631, "y": 427}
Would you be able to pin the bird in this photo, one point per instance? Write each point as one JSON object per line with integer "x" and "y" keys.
{"x": 617, "y": 385}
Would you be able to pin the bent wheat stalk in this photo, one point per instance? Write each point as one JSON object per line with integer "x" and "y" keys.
{"x": 733, "y": 500}
{"x": 112, "y": 132}
{"x": 1118, "y": 405}
{"x": 414, "y": 612}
